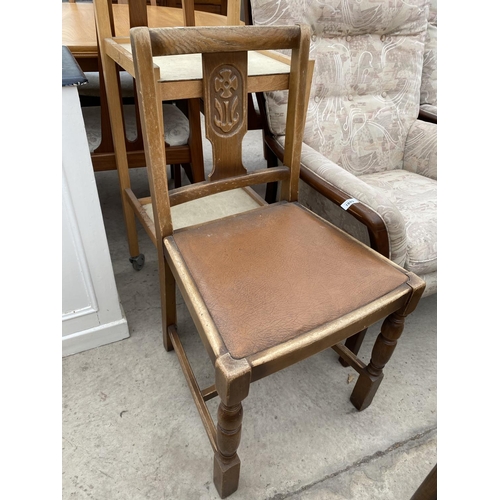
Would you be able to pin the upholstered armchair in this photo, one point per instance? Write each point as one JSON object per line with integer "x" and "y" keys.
{"x": 368, "y": 164}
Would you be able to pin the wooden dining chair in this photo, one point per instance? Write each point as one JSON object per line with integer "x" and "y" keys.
{"x": 190, "y": 156}
{"x": 186, "y": 151}
{"x": 271, "y": 286}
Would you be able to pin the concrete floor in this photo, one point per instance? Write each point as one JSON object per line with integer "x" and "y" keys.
{"x": 131, "y": 429}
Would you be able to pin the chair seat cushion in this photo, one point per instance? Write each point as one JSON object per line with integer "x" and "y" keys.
{"x": 175, "y": 122}
{"x": 415, "y": 196}
{"x": 214, "y": 206}
{"x": 274, "y": 273}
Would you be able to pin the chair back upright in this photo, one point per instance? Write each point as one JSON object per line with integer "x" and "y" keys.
{"x": 224, "y": 58}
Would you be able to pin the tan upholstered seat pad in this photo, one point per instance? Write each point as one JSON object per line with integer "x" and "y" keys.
{"x": 272, "y": 274}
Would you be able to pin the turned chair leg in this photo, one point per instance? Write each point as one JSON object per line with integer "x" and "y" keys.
{"x": 353, "y": 344}
{"x": 232, "y": 381}
{"x": 226, "y": 461}
{"x": 369, "y": 380}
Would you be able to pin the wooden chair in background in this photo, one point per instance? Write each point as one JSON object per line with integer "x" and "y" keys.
{"x": 186, "y": 152}
{"x": 214, "y": 6}
{"x": 190, "y": 156}
{"x": 271, "y": 286}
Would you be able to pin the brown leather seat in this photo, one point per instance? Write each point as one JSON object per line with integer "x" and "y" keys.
{"x": 276, "y": 272}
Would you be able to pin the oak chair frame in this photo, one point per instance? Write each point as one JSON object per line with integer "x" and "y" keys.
{"x": 226, "y": 47}
{"x": 189, "y": 155}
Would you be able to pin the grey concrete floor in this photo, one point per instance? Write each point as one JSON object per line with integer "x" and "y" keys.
{"x": 131, "y": 429}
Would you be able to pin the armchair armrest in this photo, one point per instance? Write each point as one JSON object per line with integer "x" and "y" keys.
{"x": 420, "y": 154}
{"x": 382, "y": 219}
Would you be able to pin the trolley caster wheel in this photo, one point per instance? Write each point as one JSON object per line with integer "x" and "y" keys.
{"x": 137, "y": 262}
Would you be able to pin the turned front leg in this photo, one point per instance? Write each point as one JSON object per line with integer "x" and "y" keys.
{"x": 369, "y": 381}
{"x": 232, "y": 380}
{"x": 226, "y": 461}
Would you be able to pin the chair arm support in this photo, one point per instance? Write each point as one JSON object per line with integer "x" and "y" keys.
{"x": 420, "y": 154}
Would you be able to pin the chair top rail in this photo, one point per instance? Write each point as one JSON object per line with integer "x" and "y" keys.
{"x": 209, "y": 39}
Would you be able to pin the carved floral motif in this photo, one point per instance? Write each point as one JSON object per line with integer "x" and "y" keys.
{"x": 227, "y": 102}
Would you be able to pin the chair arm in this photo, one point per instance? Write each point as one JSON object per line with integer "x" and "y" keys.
{"x": 382, "y": 219}
{"x": 420, "y": 154}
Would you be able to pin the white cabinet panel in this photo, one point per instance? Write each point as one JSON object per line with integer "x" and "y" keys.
{"x": 91, "y": 311}
{"x": 79, "y": 297}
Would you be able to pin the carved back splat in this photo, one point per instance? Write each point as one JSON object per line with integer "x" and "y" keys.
{"x": 225, "y": 97}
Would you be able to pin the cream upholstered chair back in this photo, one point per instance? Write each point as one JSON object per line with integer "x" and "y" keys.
{"x": 365, "y": 92}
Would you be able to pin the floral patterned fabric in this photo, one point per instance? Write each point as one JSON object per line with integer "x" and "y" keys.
{"x": 175, "y": 122}
{"x": 415, "y": 197}
{"x": 420, "y": 154}
{"x": 361, "y": 133}
{"x": 365, "y": 92}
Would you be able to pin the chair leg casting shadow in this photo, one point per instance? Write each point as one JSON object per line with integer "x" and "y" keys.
{"x": 273, "y": 285}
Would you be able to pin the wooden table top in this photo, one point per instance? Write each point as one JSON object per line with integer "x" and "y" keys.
{"x": 79, "y": 32}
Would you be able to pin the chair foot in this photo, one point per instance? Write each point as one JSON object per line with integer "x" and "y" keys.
{"x": 226, "y": 475}
{"x": 353, "y": 344}
{"x": 137, "y": 261}
{"x": 364, "y": 391}
{"x": 371, "y": 377}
